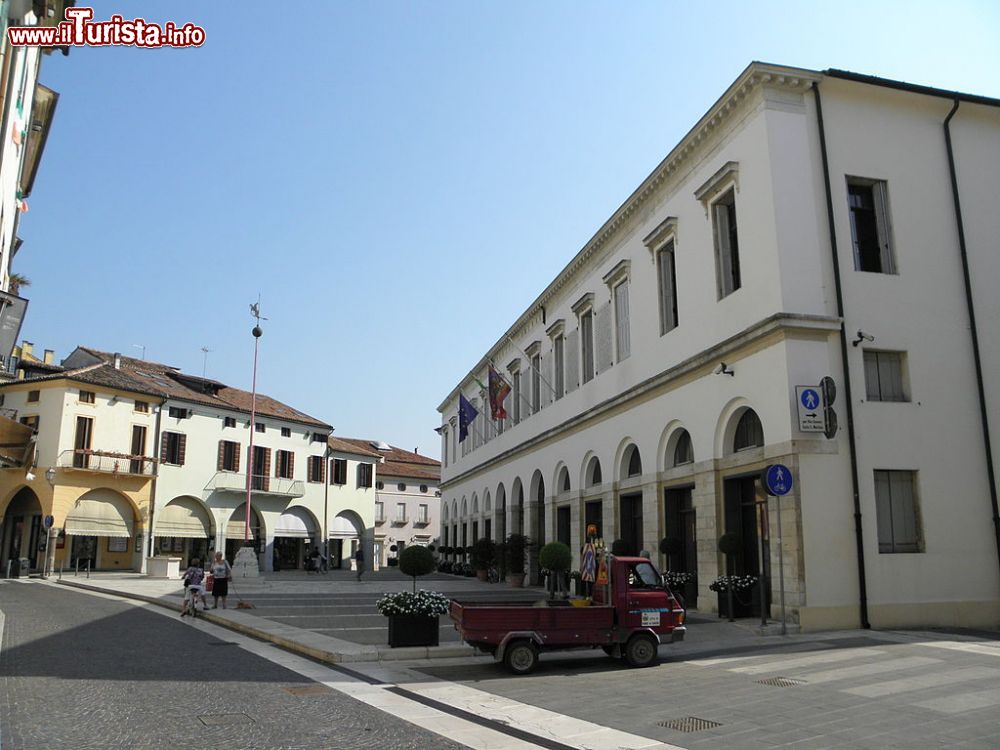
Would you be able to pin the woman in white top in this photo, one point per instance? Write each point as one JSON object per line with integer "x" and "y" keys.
{"x": 221, "y": 573}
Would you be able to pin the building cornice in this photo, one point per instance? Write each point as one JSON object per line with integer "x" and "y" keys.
{"x": 779, "y": 323}
{"x": 666, "y": 174}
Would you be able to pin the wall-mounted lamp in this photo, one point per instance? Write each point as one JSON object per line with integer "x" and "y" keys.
{"x": 724, "y": 369}
{"x": 112, "y": 400}
{"x": 862, "y": 336}
{"x": 50, "y": 475}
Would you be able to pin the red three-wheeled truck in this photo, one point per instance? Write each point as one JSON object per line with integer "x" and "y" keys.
{"x": 630, "y": 617}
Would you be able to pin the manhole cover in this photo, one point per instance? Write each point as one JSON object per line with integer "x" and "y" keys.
{"x": 309, "y": 690}
{"x": 689, "y": 724}
{"x": 781, "y": 682}
{"x": 224, "y": 720}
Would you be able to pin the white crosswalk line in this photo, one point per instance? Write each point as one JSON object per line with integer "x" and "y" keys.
{"x": 921, "y": 682}
{"x": 823, "y": 657}
{"x": 953, "y": 704}
{"x": 863, "y": 670}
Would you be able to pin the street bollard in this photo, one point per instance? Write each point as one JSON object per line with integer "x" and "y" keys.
{"x": 88, "y": 568}
{"x": 61, "y": 566}
{"x": 77, "y": 573}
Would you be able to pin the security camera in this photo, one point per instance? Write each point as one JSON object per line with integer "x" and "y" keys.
{"x": 862, "y": 336}
{"x": 724, "y": 369}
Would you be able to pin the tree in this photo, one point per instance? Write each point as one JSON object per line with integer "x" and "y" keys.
{"x": 483, "y": 554}
{"x": 16, "y": 281}
{"x": 416, "y": 561}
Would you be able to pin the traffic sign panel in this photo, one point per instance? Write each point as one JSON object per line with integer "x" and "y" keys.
{"x": 810, "y": 407}
{"x": 778, "y": 479}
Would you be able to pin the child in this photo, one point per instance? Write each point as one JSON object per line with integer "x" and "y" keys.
{"x": 194, "y": 587}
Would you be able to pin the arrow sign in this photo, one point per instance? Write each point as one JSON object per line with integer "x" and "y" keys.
{"x": 810, "y": 404}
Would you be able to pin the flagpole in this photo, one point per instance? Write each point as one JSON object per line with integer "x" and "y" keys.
{"x": 520, "y": 393}
{"x": 532, "y": 366}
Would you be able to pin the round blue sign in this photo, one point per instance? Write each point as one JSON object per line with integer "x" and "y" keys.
{"x": 810, "y": 398}
{"x": 779, "y": 479}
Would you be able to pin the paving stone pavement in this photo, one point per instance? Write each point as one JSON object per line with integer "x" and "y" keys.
{"x": 91, "y": 673}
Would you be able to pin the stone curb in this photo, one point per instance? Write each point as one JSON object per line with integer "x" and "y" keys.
{"x": 365, "y": 653}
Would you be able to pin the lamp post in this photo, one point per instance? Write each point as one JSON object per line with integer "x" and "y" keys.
{"x": 52, "y": 533}
{"x": 246, "y": 558}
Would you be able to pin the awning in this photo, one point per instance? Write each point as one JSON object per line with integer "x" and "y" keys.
{"x": 183, "y": 517}
{"x": 343, "y": 528}
{"x": 237, "y": 523}
{"x": 296, "y": 523}
{"x": 100, "y": 513}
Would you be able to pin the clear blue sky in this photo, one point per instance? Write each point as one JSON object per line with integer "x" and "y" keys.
{"x": 398, "y": 180}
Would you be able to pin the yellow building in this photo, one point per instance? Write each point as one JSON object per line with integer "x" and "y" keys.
{"x": 76, "y": 449}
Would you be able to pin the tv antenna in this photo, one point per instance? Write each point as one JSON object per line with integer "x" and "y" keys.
{"x": 204, "y": 364}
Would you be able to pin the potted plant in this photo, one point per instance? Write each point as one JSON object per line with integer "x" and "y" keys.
{"x": 556, "y": 558}
{"x": 731, "y": 605}
{"x": 517, "y": 549}
{"x": 393, "y": 561}
{"x": 483, "y": 555}
{"x": 621, "y": 548}
{"x": 413, "y": 616}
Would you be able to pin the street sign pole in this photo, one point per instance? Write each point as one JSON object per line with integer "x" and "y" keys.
{"x": 778, "y": 482}
{"x": 781, "y": 566}
{"x": 760, "y": 546}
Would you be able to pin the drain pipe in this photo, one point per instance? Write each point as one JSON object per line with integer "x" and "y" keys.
{"x": 848, "y": 399}
{"x": 983, "y": 413}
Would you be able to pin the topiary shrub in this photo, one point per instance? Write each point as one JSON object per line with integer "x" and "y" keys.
{"x": 416, "y": 561}
{"x": 484, "y": 553}
{"x": 621, "y": 548}
{"x": 555, "y": 556}
{"x": 730, "y": 543}
{"x": 670, "y": 545}
{"x": 517, "y": 548}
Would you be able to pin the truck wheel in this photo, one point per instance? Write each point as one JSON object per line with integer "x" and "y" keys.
{"x": 521, "y": 657}
{"x": 641, "y": 651}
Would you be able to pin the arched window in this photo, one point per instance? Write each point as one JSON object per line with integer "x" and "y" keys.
{"x": 634, "y": 463}
{"x": 594, "y": 472}
{"x": 683, "y": 451}
{"x": 749, "y": 432}
{"x": 564, "y": 484}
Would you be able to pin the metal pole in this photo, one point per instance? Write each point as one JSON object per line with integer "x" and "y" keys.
{"x": 760, "y": 553}
{"x": 253, "y": 429}
{"x": 326, "y": 509}
{"x": 781, "y": 567}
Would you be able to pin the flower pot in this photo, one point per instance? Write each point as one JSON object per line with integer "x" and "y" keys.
{"x": 516, "y": 580}
{"x": 745, "y": 602}
{"x": 413, "y": 630}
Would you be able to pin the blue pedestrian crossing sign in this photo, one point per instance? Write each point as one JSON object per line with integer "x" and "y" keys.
{"x": 809, "y": 401}
{"x": 810, "y": 398}
{"x": 778, "y": 479}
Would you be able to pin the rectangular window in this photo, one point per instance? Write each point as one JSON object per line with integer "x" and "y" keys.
{"x": 286, "y": 432}
{"x": 177, "y": 412}
{"x": 727, "y": 248}
{"x": 559, "y": 352}
{"x": 516, "y": 394}
{"x": 260, "y": 427}
{"x": 422, "y": 516}
{"x": 896, "y": 512}
{"x": 142, "y": 407}
{"x": 87, "y": 397}
{"x": 229, "y": 455}
{"x": 536, "y": 383}
{"x": 622, "y": 337}
{"x": 229, "y": 421}
{"x": 84, "y": 436}
{"x": 284, "y": 466}
{"x": 172, "y": 451}
{"x": 400, "y": 512}
{"x": 338, "y": 470}
{"x": 884, "y": 379}
{"x": 668, "y": 287}
{"x": 364, "y": 475}
{"x": 315, "y": 469}
{"x": 318, "y": 437}
{"x": 137, "y": 466}
{"x": 32, "y": 396}
{"x": 587, "y": 344}
{"x": 31, "y": 422}
{"x": 871, "y": 231}
{"x": 379, "y": 512}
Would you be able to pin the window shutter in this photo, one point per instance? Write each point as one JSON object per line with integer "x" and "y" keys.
{"x": 181, "y": 449}
{"x": 266, "y": 473}
{"x": 571, "y": 361}
{"x": 222, "y": 455}
{"x": 163, "y": 447}
{"x": 621, "y": 320}
{"x": 605, "y": 345}
{"x": 291, "y": 464}
{"x": 322, "y": 468}
{"x": 237, "y": 449}
{"x": 881, "y": 198}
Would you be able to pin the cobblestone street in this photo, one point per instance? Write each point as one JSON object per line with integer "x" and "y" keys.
{"x": 65, "y": 681}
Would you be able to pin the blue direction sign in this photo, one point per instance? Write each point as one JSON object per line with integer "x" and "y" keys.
{"x": 48, "y": 521}
{"x": 778, "y": 479}
{"x": 810, "y": 398}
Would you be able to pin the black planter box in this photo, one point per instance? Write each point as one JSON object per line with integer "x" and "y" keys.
{"x": 413, "y": 630}
{"x": 746, "y": 603}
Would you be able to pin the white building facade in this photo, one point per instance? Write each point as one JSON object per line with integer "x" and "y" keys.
{"x": 806, "y": 227}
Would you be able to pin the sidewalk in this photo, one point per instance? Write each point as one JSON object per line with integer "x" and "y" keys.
{"x": 286, "y": 601}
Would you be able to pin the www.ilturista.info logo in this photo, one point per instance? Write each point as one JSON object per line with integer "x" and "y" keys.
{"x": 79, "y": 30}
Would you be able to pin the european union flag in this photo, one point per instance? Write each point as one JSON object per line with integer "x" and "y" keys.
{"x": 466, "y": 413}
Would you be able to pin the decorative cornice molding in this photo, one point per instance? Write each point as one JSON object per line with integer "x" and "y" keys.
{"x": 587, "y": 300}
{"x": 661, "y": 233}
{"x": 756, "y": 75}
{"x": 620, "y": 271}
{"x": 556, "y": 329}
{"x": 728, "y": 173}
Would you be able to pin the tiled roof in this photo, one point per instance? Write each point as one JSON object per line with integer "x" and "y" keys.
{"x": 346, "y": 446}
{"x": 396, "y": 461}
{"x": 394, "y": 469}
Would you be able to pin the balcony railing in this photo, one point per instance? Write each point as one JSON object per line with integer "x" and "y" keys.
{"x": 379, "y": 519}
{"x": 422, "y": 521}
{"x": 399, "y": 521}
{"x": 106, "y": 461}
{"x": 228, "y": 481}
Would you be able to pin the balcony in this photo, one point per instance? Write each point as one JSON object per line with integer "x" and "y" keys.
{"x": 106, "y": 462}
{"x": 399, "y": 521}
{"x": 421, "y": 522}
{"x": 228, "y": 481}
{"x": 379, "y": 519}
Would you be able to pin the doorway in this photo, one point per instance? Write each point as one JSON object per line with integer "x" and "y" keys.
{"x": 594, "y": 517}
{"x": 630, "y": 518}
{"x": 746, "y": 516}
{"x": 563, "y": 525}
{"x": 679, "y": 516}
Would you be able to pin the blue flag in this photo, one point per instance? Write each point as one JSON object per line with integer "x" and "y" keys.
{"x": 466, "y": 413}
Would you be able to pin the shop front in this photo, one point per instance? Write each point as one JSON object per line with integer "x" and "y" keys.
{"x": 293, "y": 538}
{"x": 100, "y": 530}
{"x": 183, "y": 528}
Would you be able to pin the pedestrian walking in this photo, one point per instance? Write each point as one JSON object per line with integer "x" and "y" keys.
{"x": 222, "y": 573}
{"x": 359, "y": 561}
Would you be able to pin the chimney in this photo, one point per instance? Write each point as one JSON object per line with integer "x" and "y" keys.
{"x": 118, "y": 361}
{"x": 416, "y": 450}
{"x": 26, "y": 347}
{"x": 50, "y": 356}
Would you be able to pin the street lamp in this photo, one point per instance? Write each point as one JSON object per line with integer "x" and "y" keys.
{"x": 246, "y": 559}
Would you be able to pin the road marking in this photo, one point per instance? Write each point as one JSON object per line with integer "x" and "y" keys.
{"x": 822, "y": 657}
{"x": 863, "y": 670}
{"x": 920, "y": 682}
{"x": 970, "y": 701}
{"x": 968, "y": 648}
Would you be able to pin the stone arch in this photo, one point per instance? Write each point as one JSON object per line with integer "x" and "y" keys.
{"x": 591, "y": 473}
{"x": 465, "y": 508}
{"x": 24, "y": 502}
{"x": 185, "y": 516}
{"x": 517, "y": 506}
{"x": 629, "y": 461}
{"x": 556, "y": 484}
{"x": 444, "y": 511}
{"x": 487, "y": 503}
{"x": 475, "y": 505}
{"x": 120, "y": 507}
{"x": 236, "y": 524}
{"x": 12, "y": 494}
{"x": 454, "y": 509}
{"x": 729, "y": 420}
{"x": 347, "y": 525}
{"x": 296, "y": 519}
{"x": 537, "y": 492}
{"x": 500, "y": 522}
{"x": 674, "y": 433}
{"x": 562, "y": 483}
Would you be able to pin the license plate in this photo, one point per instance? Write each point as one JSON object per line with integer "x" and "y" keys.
{"x": 651, "y": 619}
